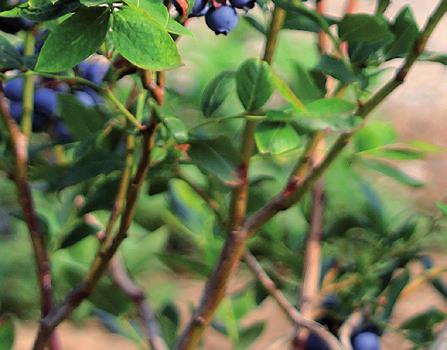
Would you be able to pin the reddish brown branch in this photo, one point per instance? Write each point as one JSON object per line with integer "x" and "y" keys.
{"x": 297, "y": 318}
{"x": 19, "y": 145}
{"x": 122, "y": 279}
{"x": 107, "y": 251}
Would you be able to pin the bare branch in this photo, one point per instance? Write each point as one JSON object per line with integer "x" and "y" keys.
{"x": 19, "y": 145}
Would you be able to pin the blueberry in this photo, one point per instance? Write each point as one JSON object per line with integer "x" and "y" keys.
{"x": 14, "y": 25}
{"x": 93, "y": 94}
{"x": 14, "y": 89}
{"x": 222, "y": 20}
{"x": 243, "y": 4}
{"x": 427, "y": 262}
{"x": 94, "y": 70}
{"x": 314, "y": 342}
{"x": 16, "y": 110}
{"x": 61, "y": 132}
{"x": 40, "y": 121}
{"x": 85, "y": 98}
{"x": 331, "y": 302}
{"x": 200, "y": 8}
{"x": 45, "y": 101}
{"x": 366, "y": 341}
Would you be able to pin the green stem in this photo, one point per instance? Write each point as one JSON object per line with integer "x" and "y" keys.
{"x": 28, "y": 89}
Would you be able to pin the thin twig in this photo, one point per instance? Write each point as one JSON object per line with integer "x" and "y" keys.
{"x": 102, "y": 259}
{"x": 348, "y": 327}
{"x": 297, "y": 318}
{"x": 215, "y": 287}
{"x": 122, "y": 279}
{"x": 19, "y": 145}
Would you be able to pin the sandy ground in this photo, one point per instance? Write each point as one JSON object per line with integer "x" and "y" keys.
{"x": 419, "y": 110}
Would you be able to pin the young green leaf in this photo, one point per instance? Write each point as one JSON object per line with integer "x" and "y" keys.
{"x": 363, "y": 28}
{"x": 7, "y": 333}
{"x": 276, "y": 138}
{"x": 143, "y": 41}
{"x": 406, "y": 32}
{"x": 254, "y": 83}
{"x": 217, "y": 92}
{"x": 77, "y": 38}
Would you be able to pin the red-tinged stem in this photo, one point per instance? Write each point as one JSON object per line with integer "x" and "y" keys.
{"x": 19, "y": 145}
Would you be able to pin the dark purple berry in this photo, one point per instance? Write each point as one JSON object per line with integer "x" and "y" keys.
{"x": 40, "y": 122}
{"x": 16, "y": 110}
{"x": 14, "y": 89}
{"x": 94, "y": 95}
{"x": 243, "y": 4}
{"x": 85, "y": 98}
{"x": 61, "y": 132}
{"x": 222, "y": 20}
{"x": 314, "y": 342}
{"x": 94, "y": 70}
{"x": 14, "y": 25}
{"x": 45, "y": 101}
{"x": 366, "y": 341}
{"x": 200, "y": 8}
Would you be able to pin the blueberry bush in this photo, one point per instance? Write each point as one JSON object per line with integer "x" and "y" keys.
{"x": 115, "y": 171}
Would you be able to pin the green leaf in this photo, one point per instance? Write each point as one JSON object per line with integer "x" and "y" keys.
{"x": 276, "y": 138}
{"x": 177, "y": 128}
{"x": 154, "y": 9}
{"x": 7, "y": 333}
{"x": 363, "y": 28}
{"x": 305, "y": 86}
{"x": 406, "y": 32}
{"x": 250, "y": 334}
{"x": 286, "y": 92}
{"x": 216, "y": 92}
{"x": 217, "y": 157}
{"x": 336, "y": 68}
{"x": 395, "y": 287}
{"x": 101, "y": 195}
{"x": 254, "y": 83}
{"x": 77, "y": 37}
{"x": 393, "y": 172}
{"x": 9, "y": 56}
{"x": 142, "y": 41}
{"x": 374, "y": 135}
{"x": 429, "y": 56}
{"x": 442, "y": 207}
{"x": 78, "y": 233}
{"x": 83, "y": 122}
{"x": 328, "y": 108}
{"x": 421, "y": 328}
{"x": 175, "y": 27}
{"x": 44, "y": 13}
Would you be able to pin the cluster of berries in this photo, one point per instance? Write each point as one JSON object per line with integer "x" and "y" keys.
{"x": 45, "y": 116}
{"x": 220, "y": 17}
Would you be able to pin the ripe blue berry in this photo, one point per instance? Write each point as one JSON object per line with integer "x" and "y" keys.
{"x": 40, "y": 121}
{"x": 14, "y": 89}
{"x": 314, "y": 342}
{"x": 222, "y": 20}
{"x": 61, "y": 132}
{"x": 85, "y": 98}
{"x": 16, "y": 110}
{"x": 200, "y": 8}
{"x": 366, "y": 341}
{"x": 94, "y": 70}
{"x": 243, "y": 4}
{"x": 45, "y": 101}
